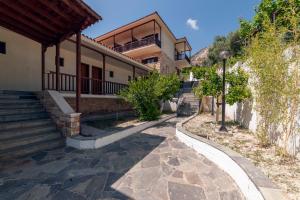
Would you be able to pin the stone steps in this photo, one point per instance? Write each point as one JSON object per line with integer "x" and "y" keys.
{"x": 188, "y": 102}
{"x": 21, "y": 110}
{"x": 28, "y": 139}
{"x": 21, "y": 106}
{"x": 20, "y": 117}
{"x": 24, "y": 132}
{"x": 25, "y": 126}
{"x": 25, "y": 150}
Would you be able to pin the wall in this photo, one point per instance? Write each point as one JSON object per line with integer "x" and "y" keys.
{"x": 168, "y": 45}
{"x": 100, "y": 105}
{"x": 21, "y": 65}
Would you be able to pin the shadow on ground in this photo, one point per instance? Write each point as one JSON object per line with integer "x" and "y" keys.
{"x": 74, "y": 174}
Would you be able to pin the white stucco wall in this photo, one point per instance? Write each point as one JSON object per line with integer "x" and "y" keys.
{"x": 21, "y": 65}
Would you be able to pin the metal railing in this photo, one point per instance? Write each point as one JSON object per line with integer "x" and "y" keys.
{"x": 88, "y": 85}
{"x": 182, "y": 56}
{"x": 137, "y": 44}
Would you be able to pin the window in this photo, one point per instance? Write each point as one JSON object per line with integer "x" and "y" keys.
{"x": 129, "y": 78}
{"x": 2, "y": 47}
{"x": 150, "y": 60}
{"x": 111, "y": 74}
{"x": 61, "y": 62}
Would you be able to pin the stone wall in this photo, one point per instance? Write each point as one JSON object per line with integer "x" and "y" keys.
{"x": 91, "y": 105}
{"x": 66, "y": 120}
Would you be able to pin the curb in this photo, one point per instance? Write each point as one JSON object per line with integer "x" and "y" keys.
{"x": 80, "y": 142}
{"x": 252, "y": 182}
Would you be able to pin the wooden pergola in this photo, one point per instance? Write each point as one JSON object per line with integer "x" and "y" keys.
{"x": 49, "y": 22}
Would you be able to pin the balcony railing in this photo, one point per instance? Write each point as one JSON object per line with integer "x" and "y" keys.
{"x": 182, "y": 56}
{"x": 88, "y": 85}
{"x": 137, "y": 44}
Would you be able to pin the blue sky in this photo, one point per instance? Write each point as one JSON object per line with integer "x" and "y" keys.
{"x": 214, "y": 17}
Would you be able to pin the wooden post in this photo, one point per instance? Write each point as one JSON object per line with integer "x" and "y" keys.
{"x": 57, "y": 56}
{"x": 103, "y": 74}
{"x": 132, "y": 38}
{"x": 133, "y": 72}
{"x": 78, "y": 70}
{"x": 44, "y": 48}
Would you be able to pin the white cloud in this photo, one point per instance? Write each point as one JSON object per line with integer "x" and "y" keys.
{"x": 192, "y": 23}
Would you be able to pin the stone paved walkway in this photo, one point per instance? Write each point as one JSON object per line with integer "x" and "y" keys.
{"x": 151, "y": 165}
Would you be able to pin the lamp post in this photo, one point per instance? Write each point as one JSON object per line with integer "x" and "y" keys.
{"x": 224, "y": 55}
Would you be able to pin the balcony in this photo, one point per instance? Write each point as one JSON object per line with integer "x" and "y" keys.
{"x": 151, "y": 44}
{"x": 182, "y": 56}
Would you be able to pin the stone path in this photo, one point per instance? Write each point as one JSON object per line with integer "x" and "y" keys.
{"x": 152, "y": 165}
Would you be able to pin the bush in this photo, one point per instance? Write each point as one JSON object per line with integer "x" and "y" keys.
{"x": 146, "y": 93}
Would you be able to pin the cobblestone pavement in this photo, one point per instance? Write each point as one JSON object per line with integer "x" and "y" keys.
{"x": 151, "y": 165}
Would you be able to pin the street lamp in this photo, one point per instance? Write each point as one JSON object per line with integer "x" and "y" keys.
{"x": 224, "y": 55}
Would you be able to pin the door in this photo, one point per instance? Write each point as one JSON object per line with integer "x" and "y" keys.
{"x": 97, "y": 80}
{"x": 85, "y": 82}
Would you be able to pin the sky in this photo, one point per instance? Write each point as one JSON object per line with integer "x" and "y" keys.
{"x": 199, "y": 20}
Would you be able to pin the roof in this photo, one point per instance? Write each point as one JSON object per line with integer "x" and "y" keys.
{"x": 46, "y": 21}
{"x": 184, "y": 39}
{"x": 152, "y": 16}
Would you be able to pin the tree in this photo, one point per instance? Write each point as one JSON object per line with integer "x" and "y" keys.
{"x": 145, "y": 93}
{"x": 211, "y": 85}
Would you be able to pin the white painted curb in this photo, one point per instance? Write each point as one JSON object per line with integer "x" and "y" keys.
{"x": 250, "y": 189}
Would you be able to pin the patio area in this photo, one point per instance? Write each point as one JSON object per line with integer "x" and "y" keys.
{"x": 150, "y": 165}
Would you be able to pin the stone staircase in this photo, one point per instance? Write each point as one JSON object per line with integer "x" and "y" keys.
{"x": 25, "y": 126}
{"x": 188, "y": 104}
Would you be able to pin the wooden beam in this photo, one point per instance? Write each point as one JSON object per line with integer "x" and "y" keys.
{"x": 71, "y": 5}
{"x": 57, "y": 56}
{"x": 44, "y": 49}
{"x": 28, "y": 15}
{"x": 32, "y": 7}
{"x": 17, "y": 20}
{"x": 133, "y": 72}
{"x": 103, "y": 73}
{"x": 52, "y": 6}
{"x": 7, "y": 23}
{"x": 78, "y": 70}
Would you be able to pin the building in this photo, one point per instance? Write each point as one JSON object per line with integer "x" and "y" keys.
{"x": 52, "y": 75}
{"x": 150, "y": 41}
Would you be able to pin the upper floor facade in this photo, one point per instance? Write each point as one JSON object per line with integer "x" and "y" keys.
{"x": 150, "y": 41}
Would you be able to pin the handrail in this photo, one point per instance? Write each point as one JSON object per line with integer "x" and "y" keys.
{"x": 88, "y": 85}
{"x": 137, "y": 44}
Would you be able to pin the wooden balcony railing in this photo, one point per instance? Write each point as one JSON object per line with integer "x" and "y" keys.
{"x": 182, "y": 56}
{"x": 137, "y": 44}
{"x": 88, "y": 85}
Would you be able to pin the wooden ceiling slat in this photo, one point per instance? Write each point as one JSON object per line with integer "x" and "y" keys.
{"x": 53, "y": 6}
{"x": 24, "y": 22}
{"x": 74, "y": 7}
{"x": 32, "y": 7}
{"x": 27, "y": 18}
{"x": 46, "y": 21}
{"x": 32, "y": 36}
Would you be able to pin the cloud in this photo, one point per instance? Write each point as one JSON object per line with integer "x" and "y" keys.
{"x": 192, "y": 23}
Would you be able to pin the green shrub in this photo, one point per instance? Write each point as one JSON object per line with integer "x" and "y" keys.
{"x": 147, "y": 92}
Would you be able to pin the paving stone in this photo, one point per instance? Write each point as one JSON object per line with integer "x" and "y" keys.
{"x": 151, "y": 160}
{"x": 193, "y": 178}
{"x": 185, "y": 192}
{"x": 152, "y": 165}
{"x": 174, "y": 162}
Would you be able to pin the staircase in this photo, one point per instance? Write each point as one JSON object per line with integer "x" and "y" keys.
{"x": 25, "y": 126}
{"x": 188, "y": 104}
